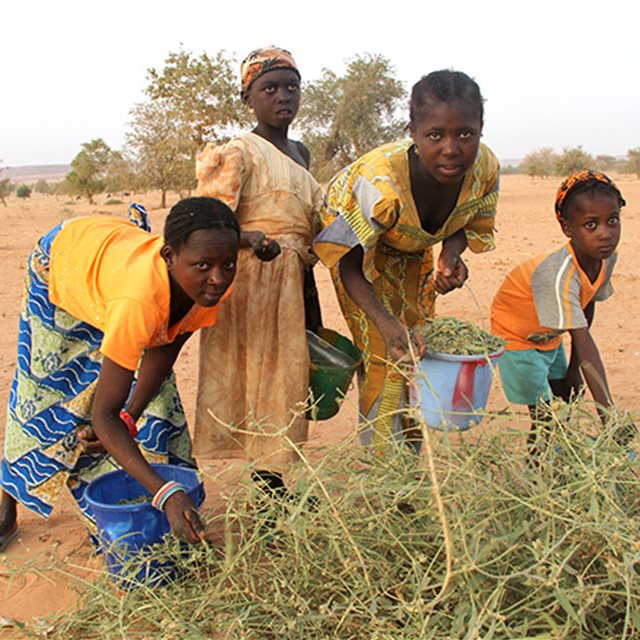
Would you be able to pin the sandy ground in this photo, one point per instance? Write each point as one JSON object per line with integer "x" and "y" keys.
{"x": 30, "y": 589}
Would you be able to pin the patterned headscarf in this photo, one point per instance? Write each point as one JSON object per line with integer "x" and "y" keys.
{"x": 579, "y": 182}
{"x": 261, "y": 61}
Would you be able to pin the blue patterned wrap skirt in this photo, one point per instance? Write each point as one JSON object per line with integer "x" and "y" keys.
{"x": 52, "y": 394}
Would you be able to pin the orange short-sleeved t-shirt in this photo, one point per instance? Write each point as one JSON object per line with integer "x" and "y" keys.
{"x": 109, "y": 273}
{"x": 546, "y": 296}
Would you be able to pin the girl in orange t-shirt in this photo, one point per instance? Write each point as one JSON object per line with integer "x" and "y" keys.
{"x": 104, "y": 298}
{"x": 554, "y": 293}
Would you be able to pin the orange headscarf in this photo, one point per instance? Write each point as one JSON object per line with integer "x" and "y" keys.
{"x": 579, "y": 181}
{"x": 263, "y": 60}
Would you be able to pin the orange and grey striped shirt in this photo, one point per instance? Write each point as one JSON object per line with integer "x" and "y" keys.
{"x": 546, "y": 296}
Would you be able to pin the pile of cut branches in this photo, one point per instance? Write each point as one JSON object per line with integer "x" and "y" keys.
{"x": 526, "y": 551}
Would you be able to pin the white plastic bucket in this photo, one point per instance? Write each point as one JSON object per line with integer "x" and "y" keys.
{"x": 452, "y": 391}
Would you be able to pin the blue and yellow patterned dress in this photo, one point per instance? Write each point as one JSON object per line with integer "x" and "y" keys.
{"x": 51, "y": 397}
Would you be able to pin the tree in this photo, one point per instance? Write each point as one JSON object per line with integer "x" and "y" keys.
{"x": 573, "y": 159}
{"x": 5, "y": 187}
{"x": 42, "y": 186}
{"x": 605, "y": 163}
{"x": 201, "y": 92}
{"x": 633, "y": 162}
{"x": 163, "y": 149}
{"x": 539, "y": 163}
{"x": 342, "y": 117}
{"x": 510, "y": 169}
{"x": 89, "y": 169}
{"x": 23, "y": 191}
{"x": 121, "y": 174}
{"x": 192, "y": 100}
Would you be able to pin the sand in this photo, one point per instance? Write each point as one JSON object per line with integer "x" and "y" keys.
{"x": 526, "y": 225}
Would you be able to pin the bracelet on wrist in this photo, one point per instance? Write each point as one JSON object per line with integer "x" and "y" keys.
{"x": 164, "y": 493}
{"x": 129, "y": 422}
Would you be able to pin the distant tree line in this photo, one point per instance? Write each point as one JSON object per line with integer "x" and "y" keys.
{"x": 545, "y": 162}
{"x": 193, "y": 100}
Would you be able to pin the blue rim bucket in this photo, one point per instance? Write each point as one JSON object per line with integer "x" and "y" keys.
{"x": 452, "y": 391}
{"x": 126, "y": 532}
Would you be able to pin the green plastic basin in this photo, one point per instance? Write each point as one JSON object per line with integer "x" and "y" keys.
{"x": 334, "y": 359}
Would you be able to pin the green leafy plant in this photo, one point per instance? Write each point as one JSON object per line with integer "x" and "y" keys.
{"x": 468, "y": 540}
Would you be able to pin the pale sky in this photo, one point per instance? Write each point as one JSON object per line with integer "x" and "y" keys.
{"x": 553, "y": 72}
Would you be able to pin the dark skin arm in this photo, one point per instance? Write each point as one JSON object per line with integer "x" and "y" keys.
{"x": 596, "y": 376}
{"x": 113, "y": 388}
{"x": 155, "y": 367}
{"x": 360, "y": 290}
{"x": 312, "y": 313}
{"x": 585, "y": 357}
{"x": 589, "y": 361}
{"x": 452, "y": 273}
{"x": 573, "y": 382}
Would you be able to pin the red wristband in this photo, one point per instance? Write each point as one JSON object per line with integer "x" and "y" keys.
{"x": 129, "y": 422}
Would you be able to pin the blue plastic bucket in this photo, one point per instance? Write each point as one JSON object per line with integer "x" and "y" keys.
{"x": 452, "y": 391}
{"x": 126, "y": 531}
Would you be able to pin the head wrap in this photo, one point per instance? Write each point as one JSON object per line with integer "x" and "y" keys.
{"x": 580, "y": 181}
{"x": 261, "y": 61}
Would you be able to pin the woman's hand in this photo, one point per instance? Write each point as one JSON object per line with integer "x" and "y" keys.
{"x": 394, "y": 333}
{"x": 265, "y": 248}
{"x": 184, "y": 518}
{"x": 452, "y": 271}
{"x": 89, "y": 441}
{"x": 401, "y": 347}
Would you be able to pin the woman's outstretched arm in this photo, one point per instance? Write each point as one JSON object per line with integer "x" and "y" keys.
{"x": 361, "y": 291}
{"x": 112, "y": 391}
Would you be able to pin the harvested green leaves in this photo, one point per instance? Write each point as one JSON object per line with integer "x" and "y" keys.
{"x": 457, "y": 337}
{"x": 539, "y": 552}
{"x": 139, "y": 500}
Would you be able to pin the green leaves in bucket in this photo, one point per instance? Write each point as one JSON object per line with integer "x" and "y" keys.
{"x": 458, "y": 337}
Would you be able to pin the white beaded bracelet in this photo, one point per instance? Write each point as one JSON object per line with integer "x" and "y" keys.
{"x": 165, "y": 492}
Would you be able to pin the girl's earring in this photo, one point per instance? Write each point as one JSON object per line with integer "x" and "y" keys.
{"x": 416, "y": 151}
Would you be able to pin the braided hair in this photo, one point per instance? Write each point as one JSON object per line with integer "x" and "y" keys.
{"x": 447, "y": 86}
{"x": 192, "y": 214}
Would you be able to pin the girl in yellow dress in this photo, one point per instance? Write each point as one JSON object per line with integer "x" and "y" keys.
{"x": 254, "y": 367}
{"x": 384, "y": 214}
